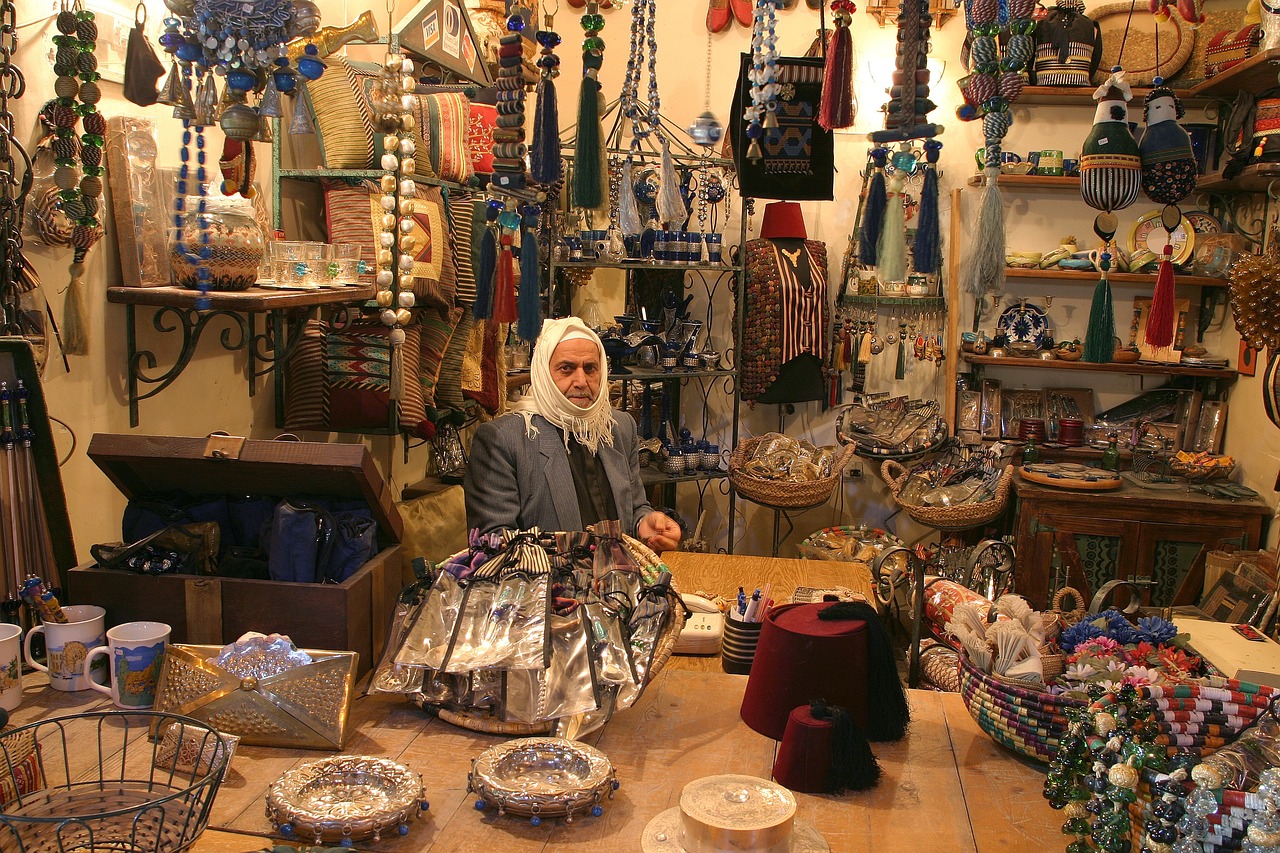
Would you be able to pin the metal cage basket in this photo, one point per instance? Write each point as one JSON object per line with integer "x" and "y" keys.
{"x": 98, "y": 782}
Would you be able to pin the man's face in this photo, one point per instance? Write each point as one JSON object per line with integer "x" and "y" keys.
{"x": 575, "y": 368}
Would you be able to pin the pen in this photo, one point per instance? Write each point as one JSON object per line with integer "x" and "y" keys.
{"x": 742, "y": 602}
{"x": 753, "y": 609}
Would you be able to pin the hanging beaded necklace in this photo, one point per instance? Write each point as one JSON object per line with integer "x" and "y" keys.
{"x": 76, "y": 68}
{"x": 644, "y": 46}
{"x": 395, "y": 238}
{"x": 760, "y": 114}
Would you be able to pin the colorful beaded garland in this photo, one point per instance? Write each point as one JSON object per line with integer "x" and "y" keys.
{"x": 396, "y": 242}
{"x": 760, "y": 114}
{"x": 78, "y": 94}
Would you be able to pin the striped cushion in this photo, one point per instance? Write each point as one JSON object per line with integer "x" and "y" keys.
{"x": 437, "y": 329}
{"x": 346, "y": 210}
{"x": 461, "y": 208}
{"x": 341, "y": 113}
{"x": 446, "y": 129}
{"x": 448, "y": 390}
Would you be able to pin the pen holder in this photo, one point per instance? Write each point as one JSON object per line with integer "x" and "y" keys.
{"x": 738, "y": 647}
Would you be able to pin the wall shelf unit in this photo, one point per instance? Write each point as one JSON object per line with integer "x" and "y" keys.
{"x": 1136, "y": 369}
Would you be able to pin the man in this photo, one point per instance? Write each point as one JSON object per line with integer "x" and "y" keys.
{"x": 563, "y": 458}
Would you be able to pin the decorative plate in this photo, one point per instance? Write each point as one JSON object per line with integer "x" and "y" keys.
{"x": 540, "y": 777}
{"x": 1176, "y": 42}
{"x": 1024, "y": 323}
{"x": 345, "y": 798}
{"x": 1203, "y": 223}
{"x": 1149, "y": 234}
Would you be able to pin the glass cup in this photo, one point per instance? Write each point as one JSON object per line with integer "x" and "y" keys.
{"x": 287, "y": 262}
{"x": 316, "y": 257}
{"x": 345, "y": 268}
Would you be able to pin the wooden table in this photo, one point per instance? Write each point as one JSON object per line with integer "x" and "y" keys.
{"x": 1146, "y": 524}
{"x": 946, "y": 786}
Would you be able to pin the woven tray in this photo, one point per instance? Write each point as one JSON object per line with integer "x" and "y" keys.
{"x": 961, "y": 517}
{"x": 781, "y": 493}
{"x": 483, "y": 721}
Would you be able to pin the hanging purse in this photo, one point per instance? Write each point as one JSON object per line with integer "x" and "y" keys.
{"x": 142, "y": 69}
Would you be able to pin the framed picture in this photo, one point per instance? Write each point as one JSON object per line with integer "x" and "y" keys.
{"x": 114, "y": 23}
{"x": 1247, "y": 362}
{"x": 1070, "y": 403}
{"x": 1138, "y": 330}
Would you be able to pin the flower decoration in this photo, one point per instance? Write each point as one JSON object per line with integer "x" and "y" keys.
{"x": 1111, "y": 624}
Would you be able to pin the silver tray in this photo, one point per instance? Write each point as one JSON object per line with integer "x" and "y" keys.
{"x": 541, "y": 777}
{"x": 345, "y": 798}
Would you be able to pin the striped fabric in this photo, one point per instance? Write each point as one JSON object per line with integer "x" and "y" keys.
{"x": 1110, "y": 181}
{"x": 20, "y": 769}
{"x": 341, "y": 113}
{"x": 460, "y": 208}
{"x": 1052, "y": 71}
{"x": 306, "y": 402}
{"x": 1266, "y": 119}
{"x": 437, "y": 328}
{"x": 448, "y": 120}
{"x": 346, "y": 211}
{"x": 802, "y": 277}
{"x": 448, "y": 389}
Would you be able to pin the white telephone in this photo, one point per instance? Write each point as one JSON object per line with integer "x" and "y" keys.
{"x": 702, "y": 631}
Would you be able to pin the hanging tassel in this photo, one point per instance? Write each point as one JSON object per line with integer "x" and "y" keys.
{"x": 888, "y": 713}
{"x": 628, "y": 211}
{"x": 873, "y": 211}
{"x": 530, "y": 303}
{"x": 891, "y": 253}
{"x": 75, "y": 310}
{"x": 544, "y": 155}
{"x": 853, "y": 764}
{"x": 1163, "y": 316}
{"x": 836, "y": 109}
{"x": 504, "y": 293}
{"x": 587, "y": 166}
{"x": 900, "y": 372}
{"x": 983, "y": 268}
{"x": 396, "y": 389}
{"x": 671, "y": 209}
{"x": 926, "y": 253}
{"x": 486, "y": 269}
{"x": 1100, "y": 335}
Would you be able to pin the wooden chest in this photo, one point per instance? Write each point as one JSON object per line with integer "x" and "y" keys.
{"x": 352, "y": 615}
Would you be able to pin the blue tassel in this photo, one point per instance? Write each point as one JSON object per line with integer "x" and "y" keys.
{"x": 544, "y": 156}
{"x": 873, "y": 212}
{"x": 486, "y": 272}
{"x": 529, "y": 303}
{"x": 927, "y": 250}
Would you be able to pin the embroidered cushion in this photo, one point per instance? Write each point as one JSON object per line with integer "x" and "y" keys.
{"x": 1231, "y": 47}
{"x": 445, "y": 120}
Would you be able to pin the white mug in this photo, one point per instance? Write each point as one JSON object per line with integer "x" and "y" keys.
{"x": 10, "y": 666}
{"x": 67, "y": 645}
{"x": 135, "y": 653}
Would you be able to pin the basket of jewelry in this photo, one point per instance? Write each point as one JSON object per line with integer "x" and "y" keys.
{"x": 779, "y": 471}
{"x": 528, "y": 632}
{"x": 955, "y": 491}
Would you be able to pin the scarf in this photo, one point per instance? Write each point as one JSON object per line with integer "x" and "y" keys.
{"x": 592, "y": 425}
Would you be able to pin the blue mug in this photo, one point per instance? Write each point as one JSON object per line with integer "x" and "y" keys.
{"x": 715, "y": 244}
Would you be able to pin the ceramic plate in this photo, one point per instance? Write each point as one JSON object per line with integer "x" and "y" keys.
{"x": 1203, "y": 223}
{"x": 1148, "y": 233}
{"x": 1024, "y": 323}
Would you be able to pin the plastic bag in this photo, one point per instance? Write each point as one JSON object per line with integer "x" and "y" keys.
{"x": 645, "y": 626}
{"x": 428, "y": 639}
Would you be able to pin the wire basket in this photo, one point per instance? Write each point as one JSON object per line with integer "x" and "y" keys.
{"x": 99, "y": 783}
{"x": 783, "y": 494}
{"x": 1152, "y": 464}
{"x": 961, "y": 517}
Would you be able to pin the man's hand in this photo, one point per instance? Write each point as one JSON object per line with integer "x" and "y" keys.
{"x": 659, "y": 532}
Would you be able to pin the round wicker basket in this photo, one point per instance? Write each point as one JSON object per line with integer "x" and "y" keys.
{"x": 962, "y": 517}
{"x": 483, "y": 721}
{"x": 782, "y": 494}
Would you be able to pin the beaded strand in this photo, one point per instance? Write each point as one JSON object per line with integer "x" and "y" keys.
{"x": 760, "y": 115}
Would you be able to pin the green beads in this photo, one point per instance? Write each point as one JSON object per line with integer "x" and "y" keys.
{"x": 593, "y": 43}
{"x": 593, "y": 23}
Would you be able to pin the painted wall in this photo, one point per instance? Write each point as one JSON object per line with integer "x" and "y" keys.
{"x": 212, "y": 392}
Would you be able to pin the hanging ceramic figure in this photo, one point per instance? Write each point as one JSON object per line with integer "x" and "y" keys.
{"x": 1110, "y": 167}
{"x": 1168, "y": 165}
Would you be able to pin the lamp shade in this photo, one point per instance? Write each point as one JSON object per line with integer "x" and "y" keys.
{"x": 800, "y": 658}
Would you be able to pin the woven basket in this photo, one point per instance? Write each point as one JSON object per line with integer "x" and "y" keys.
{"x": 962, "y": 517}
{"x": 483, "y": 721}
{"x": 1192, "y": 715}
{"x": 782, "y": 493}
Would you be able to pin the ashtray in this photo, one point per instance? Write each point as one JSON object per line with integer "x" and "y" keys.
{"x": 344, "y": 799}
{"x": 541, "y": 777}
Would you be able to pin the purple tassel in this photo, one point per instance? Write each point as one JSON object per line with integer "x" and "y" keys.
{"x": 544, "y": 156}
{"x": 529, "y": 303}
{"x": 926, "y": 252}
{"x": 873, "y": 212}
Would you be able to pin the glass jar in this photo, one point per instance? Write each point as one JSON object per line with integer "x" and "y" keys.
{"x": 236, "y": 245}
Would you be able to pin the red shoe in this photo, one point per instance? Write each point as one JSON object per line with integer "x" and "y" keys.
{"x": 743, "y": 10}
{"x": 718, "y": 16}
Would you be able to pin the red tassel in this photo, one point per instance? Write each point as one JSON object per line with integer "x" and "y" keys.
{"x": 504, "y": 297}
{"x": 1160, "y": 324}
{"x": 837, "y": 91}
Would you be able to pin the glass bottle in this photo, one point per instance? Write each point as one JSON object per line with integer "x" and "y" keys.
{"x": 1111, "y": 456}
{"x": 1030, "y": 453}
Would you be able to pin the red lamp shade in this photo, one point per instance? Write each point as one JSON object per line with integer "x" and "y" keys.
{"x": 801, "y": 658}
{"x": 804, "y": 756}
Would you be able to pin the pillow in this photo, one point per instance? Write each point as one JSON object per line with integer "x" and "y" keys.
{"x": 483, "y": 375}
{"x": 437, "y": 328}
{"x": 340, "y": 379}
{"x": 340, "y": 110}
{"x": 354, "y": 214}
{"x": 448, "y": 390}
{"x": 445, "y": 120}
{"x": 461, "y": 215}
{"x": 480, "y": 128}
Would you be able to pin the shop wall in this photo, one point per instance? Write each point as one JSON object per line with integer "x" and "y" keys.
{"x": 212, "y": 392}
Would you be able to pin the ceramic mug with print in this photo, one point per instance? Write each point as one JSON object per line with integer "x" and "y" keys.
{"x": 67, "y": 646}
{"x": 135, "y": 652}
{"x": 10, "y": 666}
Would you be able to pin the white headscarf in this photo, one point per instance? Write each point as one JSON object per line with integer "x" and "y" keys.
{"x": 591, "y": 426}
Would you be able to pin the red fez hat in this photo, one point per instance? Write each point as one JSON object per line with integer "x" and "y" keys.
{"x": 801, "y": 657}
{"x": 823, "y": 752}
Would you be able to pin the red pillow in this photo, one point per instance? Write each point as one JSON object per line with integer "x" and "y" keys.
{"x": 484, "y": 120}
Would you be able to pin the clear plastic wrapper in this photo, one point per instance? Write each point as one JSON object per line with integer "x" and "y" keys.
{"x": 580, "y": 725}
{"x": 485, "y": 689}
{"x": 389, "y": 676}
{"x": 470, "y": 645}
{"x": 609, "y": 649}
{"x": 503, "y": 626}
{"x": 1240, "y": 763}
{"x": 428, "y": 638}
{"x": 645, "y": 627}
{"x": 260, "y": 656}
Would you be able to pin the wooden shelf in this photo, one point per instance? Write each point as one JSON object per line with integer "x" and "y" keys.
{"x": 253, "y": 300}
{"x": 1030, "y": 182}
{"x": 1138, "y": 368}
{"x": 1257, "y": 73}
{"x": 1066, "y": 96}
{"x": 1082, "y": 96}
{"x": 638, "y": 263}
{"x": 1253, "y": 179}
{"x": 929, "y": 302}
{"x": 1090, "y": 277}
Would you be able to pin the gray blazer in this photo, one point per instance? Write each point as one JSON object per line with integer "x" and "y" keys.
{"x": 514, "y": 481}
